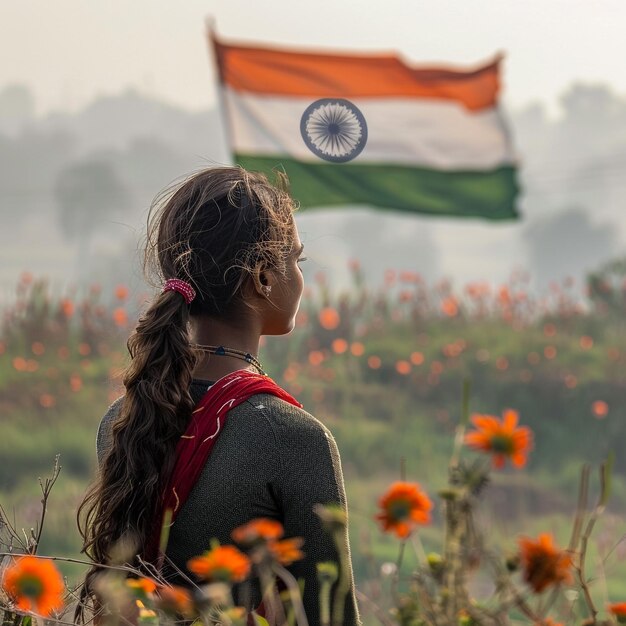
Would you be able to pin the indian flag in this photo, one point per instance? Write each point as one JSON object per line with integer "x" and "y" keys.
{"x": 370, "y": 130}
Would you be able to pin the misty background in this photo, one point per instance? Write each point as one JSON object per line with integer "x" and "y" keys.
{"x": 104, "y": 104}
{"x": 75, "y": 188}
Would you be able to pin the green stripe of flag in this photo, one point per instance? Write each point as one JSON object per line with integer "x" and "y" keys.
{"x": 487, "y": 194}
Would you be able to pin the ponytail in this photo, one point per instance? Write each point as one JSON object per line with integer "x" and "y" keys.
{"x": 121, "y": 504}
{"x": 211, "y": 229}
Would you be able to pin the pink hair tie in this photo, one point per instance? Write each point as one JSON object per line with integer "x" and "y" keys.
{"x": 182, "y": 287}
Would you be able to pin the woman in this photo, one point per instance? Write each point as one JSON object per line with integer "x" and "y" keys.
{"x": 226, "y": 244}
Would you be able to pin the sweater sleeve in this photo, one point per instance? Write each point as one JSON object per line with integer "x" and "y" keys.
{"x": 311, "y": 474}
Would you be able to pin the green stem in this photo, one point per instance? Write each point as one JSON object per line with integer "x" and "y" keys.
{"x": 584, "y": 541}
{"x": 343, "y": 585}
{"x": 396, "y": 576}
{"x": 460, "y": 429}
{"x": 418, "y": 546}
{"x": 294, "y": 594}
{"x": 269, "y": 596}
{"x": 325, "y": 604}
{"x": 581, "y": 508}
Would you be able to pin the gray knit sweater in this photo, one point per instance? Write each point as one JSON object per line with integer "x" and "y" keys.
{"x": 273, "y": 460}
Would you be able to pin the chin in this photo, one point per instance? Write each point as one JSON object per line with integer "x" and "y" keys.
{"x": 283, "y": 329}
{"x": 290, "y": 326}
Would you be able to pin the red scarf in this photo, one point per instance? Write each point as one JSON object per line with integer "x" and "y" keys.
{"x": 194, "y": 447}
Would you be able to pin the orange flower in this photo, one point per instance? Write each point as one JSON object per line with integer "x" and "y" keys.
{"x": 618, "y": 609}
{"x": 374, "y": 362}
{"x": 67, "y": 307}
{"x": 222, "y": 563}
{"x": 450, "y": 307}
{"x": 403, "y": 507}
{"x": 146, "y": 616}
{"x": 357, "y": 348}
{"x": 287, "y": 551}
{"x": 76, "y": 382}
{"x": 339, "y": 345}
{"x": 548, "y": 621}
{"x": 600, "y": 409}
{"x": 503, "y": 438}
{"x": 47, "y": 400}
{"x": 403, "y": 367}
{"x": 329, "y": 318}
{"x": 549, "y": 330}
{"x": 543, "y": 563}
{"x": 120, "y": 317}
{"x": 235, "y": 615}
{"x": 258, "y": 530}
{"x": 20, "y": 364}
{"x": 174, "y": 600}
{"x": 121, "y": 292}
{"x": 316, "y": 357}
{"x": 26, "y": 278}
{"x": 142, "y": 585}
{"x": 410, "y": 277}
{"x": 35, "y": 584}
{"x": 549, "y": 352}
{"x": 417, "y": 358}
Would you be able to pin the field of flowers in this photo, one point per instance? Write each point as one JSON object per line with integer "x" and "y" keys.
{"x": 385, "y": 369}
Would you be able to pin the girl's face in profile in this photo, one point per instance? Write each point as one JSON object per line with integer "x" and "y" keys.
{"x": 286, "y": 295}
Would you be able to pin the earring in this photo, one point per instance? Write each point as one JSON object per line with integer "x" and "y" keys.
{"x": 267, "y": 289}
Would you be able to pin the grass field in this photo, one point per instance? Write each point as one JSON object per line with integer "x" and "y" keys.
{"x": 384, "y": 370}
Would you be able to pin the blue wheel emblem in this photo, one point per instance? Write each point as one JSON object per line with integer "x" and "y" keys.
{"x": 334, "y": 129}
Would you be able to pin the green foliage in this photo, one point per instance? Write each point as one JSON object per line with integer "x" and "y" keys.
{"x": 550, "y": 360}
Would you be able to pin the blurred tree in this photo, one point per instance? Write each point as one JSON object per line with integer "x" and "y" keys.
{"x": 115, "y": 121}
{"x": 17, "y": 108}
{"x": 149, "y": 164}
{"x": 566, "y": 244}
{"x": 592, "y": 127}
{"x": 31, "y": 163}
{"x": 88, "y": 194}
{"x": 607, "y": 287}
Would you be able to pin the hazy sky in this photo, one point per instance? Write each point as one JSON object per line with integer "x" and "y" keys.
{"x": 70, "y": 51}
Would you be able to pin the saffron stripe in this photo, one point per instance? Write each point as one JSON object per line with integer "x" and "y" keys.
{"x": 267, "y": 70}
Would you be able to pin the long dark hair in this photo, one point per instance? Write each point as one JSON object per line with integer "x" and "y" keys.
{"x": 214, "y": 230}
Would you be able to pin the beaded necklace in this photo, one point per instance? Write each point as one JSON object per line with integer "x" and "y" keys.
{"x": 237, "y": 354}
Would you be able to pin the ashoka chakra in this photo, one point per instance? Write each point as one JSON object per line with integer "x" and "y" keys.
{"x": 334, "y": 129}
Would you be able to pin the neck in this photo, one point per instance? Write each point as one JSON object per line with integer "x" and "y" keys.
{"x": 212, "y": 332}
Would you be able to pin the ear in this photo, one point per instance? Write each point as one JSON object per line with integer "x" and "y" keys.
{"x": 264, "y": 280}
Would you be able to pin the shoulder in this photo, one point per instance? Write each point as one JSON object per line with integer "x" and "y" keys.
{"x": 307, "y": 459}
{"x": 286, "y": 415}
{"x": 290, "y": 423}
